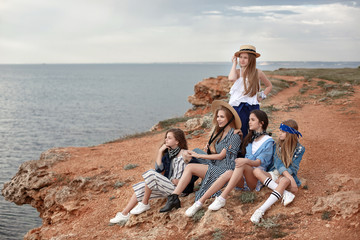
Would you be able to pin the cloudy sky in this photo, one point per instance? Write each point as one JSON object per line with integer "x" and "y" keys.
{"x": 137, "y": 31}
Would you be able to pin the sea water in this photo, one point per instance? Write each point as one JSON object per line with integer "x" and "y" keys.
{"x": 58, "y": 105}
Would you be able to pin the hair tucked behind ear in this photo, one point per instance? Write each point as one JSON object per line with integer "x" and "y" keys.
{"x": 285, "y": 148}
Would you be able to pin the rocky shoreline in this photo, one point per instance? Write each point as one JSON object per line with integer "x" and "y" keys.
{"x": 77, "y": 190}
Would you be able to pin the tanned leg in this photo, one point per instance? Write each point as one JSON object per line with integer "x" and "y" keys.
{"x": 283, "y": 184}
{"x": 131, "y": 204}
{"x": 216, "y": 186}
{"x": 146, "y": 195}
{"x": 235, "y": 178}
{"x": 251, "y": 179}
{"x": 191, "y": 169}
{"x": 261, "y": 174}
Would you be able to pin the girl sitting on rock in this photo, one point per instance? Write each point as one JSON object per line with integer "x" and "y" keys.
{"x": 259, "y": 151}
{"x": 222, "y": 150}
{"x": 288, "y": 153}
{"x": 170, "y": 161}
{"x": 243, "y": 93}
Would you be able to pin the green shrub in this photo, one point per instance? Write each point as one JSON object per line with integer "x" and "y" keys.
{"x": 277, "y": 233}
{"x": 130, "y": 166}
{"x": 321, "y": 83}
{"x": 336, "y": 93}
{"x": 268, "y": 223}
{"x": 326, "y": 215}
{"x": 269, "y": 109}
{"x": 247, "y": 197}
{"x": 217, "y": 235}
{"x": 303, "y": 90}
{"x": 118, "y": 184}
{"x": 168, "y": 123}
{"x": 198, "y": 215}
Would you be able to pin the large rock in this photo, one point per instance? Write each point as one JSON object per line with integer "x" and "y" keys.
{"x": 346, "y": 202}
{"x": 31, "y": 177}
{"x": 205, "y": 92}
{"x": 55, "y": 196}
{"x": 198, "y": 123}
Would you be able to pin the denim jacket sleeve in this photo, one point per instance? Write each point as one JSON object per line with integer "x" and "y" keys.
{"x": 294, "y": 166}
{"x": 265, "y": 155}
{"x": 160, "y": 168}
{"x": 248, "y": 153}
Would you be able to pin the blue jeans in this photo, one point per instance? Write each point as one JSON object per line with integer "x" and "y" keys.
{"x": 244, "y": 110}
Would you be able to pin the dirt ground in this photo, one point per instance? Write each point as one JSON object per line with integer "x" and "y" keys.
{"x": 331, "y": 165}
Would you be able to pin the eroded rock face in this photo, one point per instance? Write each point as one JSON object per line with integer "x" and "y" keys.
{"x": 32, "y": 177}
{"x": 198, "y": 123}
{"x": 346, "y": 202}
{"x": 54, "y": 195}
{"x": 205, "y": 92}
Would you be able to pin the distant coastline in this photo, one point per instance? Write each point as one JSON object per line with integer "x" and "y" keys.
{"x": 290, "y": 64}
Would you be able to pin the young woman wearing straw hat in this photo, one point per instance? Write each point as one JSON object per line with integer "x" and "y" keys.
{"x": 222, "y": 149}
{"x": 244, "y": 92}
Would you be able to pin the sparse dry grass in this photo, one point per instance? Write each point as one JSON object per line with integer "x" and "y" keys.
{"x": 338, "y": 75}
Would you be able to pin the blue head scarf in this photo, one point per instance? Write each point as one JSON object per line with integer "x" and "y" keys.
{"x": 288, "y": 129}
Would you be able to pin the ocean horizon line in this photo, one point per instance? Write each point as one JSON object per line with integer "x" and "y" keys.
{"x": 195, "y": 62}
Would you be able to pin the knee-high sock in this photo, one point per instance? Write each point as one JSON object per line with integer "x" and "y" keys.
{"x": 271, "y": 184}
{"x": 274, "y": 196}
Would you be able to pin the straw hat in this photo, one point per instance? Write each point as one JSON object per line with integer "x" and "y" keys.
{"x": 247, "y": 49}
{"x": 217, "y": 103}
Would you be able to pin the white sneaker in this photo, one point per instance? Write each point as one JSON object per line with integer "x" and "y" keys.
{"x": 217, "y": 204}
{"x": 193, "y": 209}
{"x": 120, "y": 218}
{"x": 257, "y": 215}
{"x": 140, "y": 208}
{"x": 288, "y": 198}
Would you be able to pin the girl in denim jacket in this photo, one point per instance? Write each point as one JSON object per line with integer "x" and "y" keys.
{"x": 288, "y": 153}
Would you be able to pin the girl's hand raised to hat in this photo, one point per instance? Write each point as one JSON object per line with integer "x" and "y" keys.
{"x": 234, "y": 59}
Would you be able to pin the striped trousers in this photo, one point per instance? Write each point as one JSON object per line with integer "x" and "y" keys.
{"x": 160, "y": 185}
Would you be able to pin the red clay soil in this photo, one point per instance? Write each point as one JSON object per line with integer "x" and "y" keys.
{"x": 331, "y": 136}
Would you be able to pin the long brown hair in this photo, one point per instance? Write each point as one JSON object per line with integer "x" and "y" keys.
{"x": 251, "y": 73}
{"x": 263, "y": 119}
{"x": 179, "y": 136}
{"x": 285, "y": 148}
{"x": 216, "y": 128}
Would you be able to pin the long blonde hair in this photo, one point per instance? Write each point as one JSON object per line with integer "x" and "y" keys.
{"x": 251, "y": 73}
{"x": 285, "y": 148}
{"x": 216, "y": 128}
